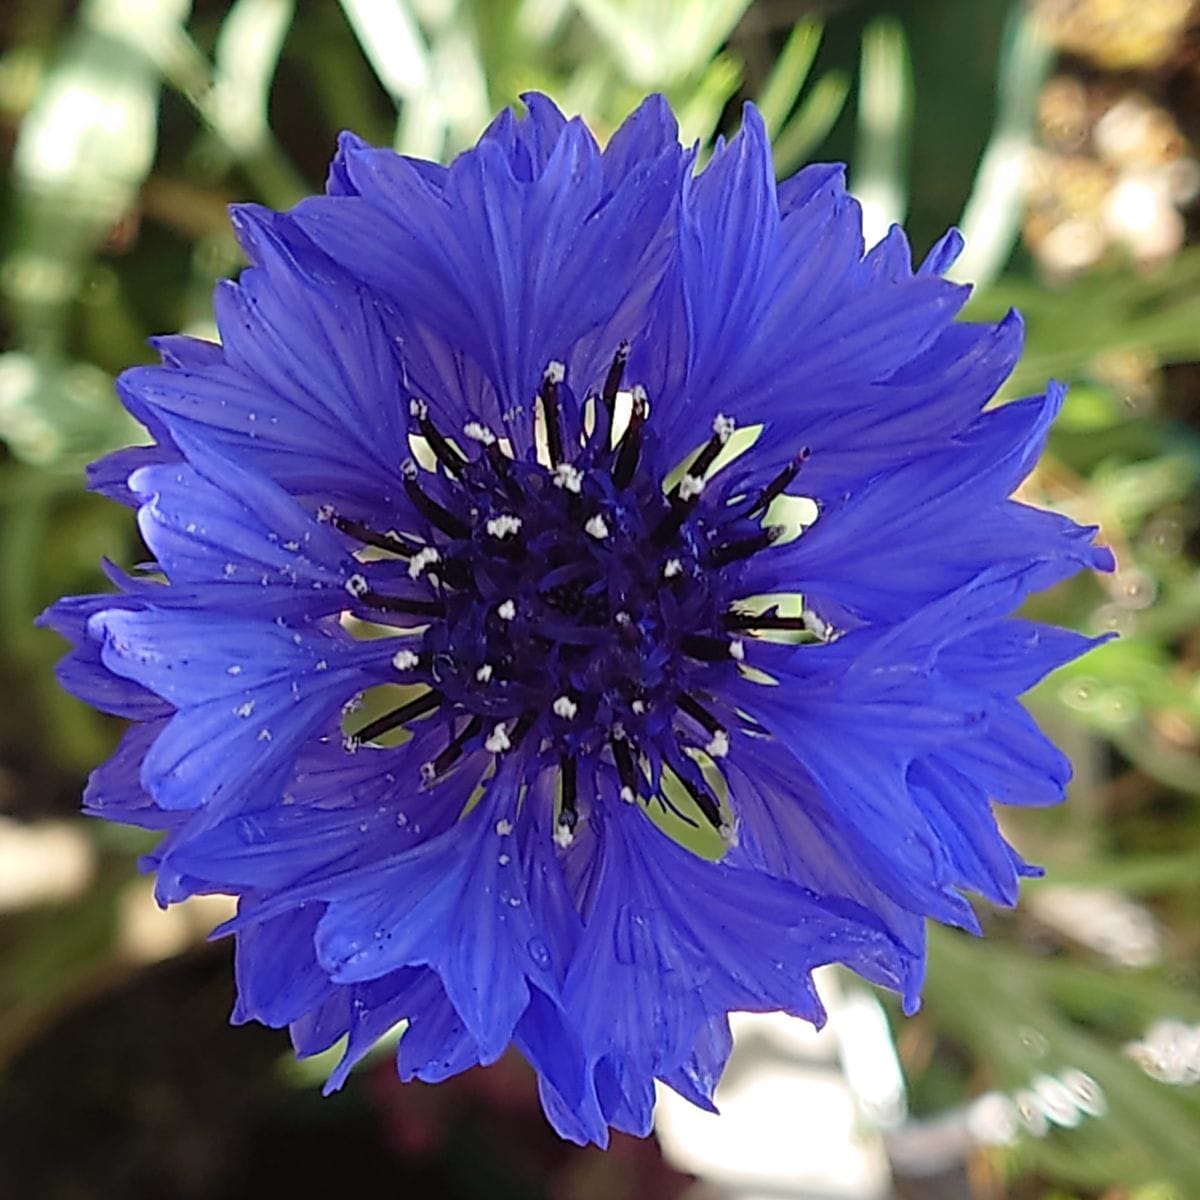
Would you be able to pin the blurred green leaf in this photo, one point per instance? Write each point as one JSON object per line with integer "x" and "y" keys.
{"x": 885, "y": 109}
{"x": 988, "y": 996}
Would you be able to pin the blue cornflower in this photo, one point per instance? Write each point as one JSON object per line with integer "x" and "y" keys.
{"x": 519, "y": 448}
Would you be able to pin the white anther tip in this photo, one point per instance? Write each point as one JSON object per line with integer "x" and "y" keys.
{"x": 422, "y": 559}
{"x": 718, "y": 745}
{"x": 505, "y": 525}
{"x": 723, "y": 427}
{"x": 569, "y": 477}
{"x": 690, "y": 486}
{"x": 506, "y": 611}
{"x": 479, "y": 433}
{"x": 737, "y": 650}
{"x": 627, "y": 795}
{"x": 484, "y": 673}
{"x": 405, "y": 660}
{"x": 555, "y": 372}
{"x": 596, "y": 527}
{"x": 563, "y": 836}
{"x": 565, "y": 707}
{"x": 497, "y": 741}
{"x": 671, "y": 568}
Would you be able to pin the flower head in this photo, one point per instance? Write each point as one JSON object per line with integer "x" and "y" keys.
{"x": 581, "y": 607}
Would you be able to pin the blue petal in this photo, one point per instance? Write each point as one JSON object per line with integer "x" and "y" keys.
{"x": 248, "y": 694}
{"x": 673, "y": 940}
{"x": 457, "y": 903}
{"x": 278, "y": 977}
{"x": 213, "y": 524}
{"x": 504, "y": 267}
{"x": 309, "y": 390}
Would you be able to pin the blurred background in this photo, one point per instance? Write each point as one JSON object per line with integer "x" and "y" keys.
{"x": 1056, "y": 1059}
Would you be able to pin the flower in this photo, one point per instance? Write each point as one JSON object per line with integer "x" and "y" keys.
{"x": 667, "y": 541}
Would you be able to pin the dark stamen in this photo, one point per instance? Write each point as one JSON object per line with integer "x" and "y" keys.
{"x": 449, "y": 456}
{"x": 524, "y": 724}
{"x": 698, "y": 468}
{"x": 400, "y": 604}
{"x": 438, "y": 516}
{"x": 631, "y": 443}
{"x": 548, "y": 394}
{"x": 718, "y": 556}
{"x": 626, "y": 770}
{"x": 453, "y": 751}
{"x": 781, "y": 481}
{"x": 568, "y": 815}
{"x": 705, "y": 801}
{"x": 764, "y": 620}
{"x": 392, "y": 542}
{"x": 699, "y": 713}
{"x": 705, "y": 647}
{"x": 423, "y": 704}
{"x": 612, "y": 381}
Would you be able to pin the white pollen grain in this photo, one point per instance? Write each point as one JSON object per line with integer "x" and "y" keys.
{"x": 816, "y": 626}
{"x": 418, "y": 408}
{"x": 690, "y": 486}
{"x": 422, "y": 559}
{"x": 737, "y": 650}
{"x": 506, "y": 611}
{"x": 638, "y": 707}
{"x": 723, "y": 427}
{"x": 497, "y": 741}
{"x": 504, "y": 827}
{"x": 479, "y": 433}
{"x": 596, "y": 527}
{"x": 671, "y": 568}
{"x": 291, "y": 547}
{"x": 264, "y": 734}
{"x": 718, "y": 744}
{"x": 244, "y": 710}
{"x": 565, "y": 707}
{"x": 627, "y": 795}
{"x": 504, "y": 526}
{"x": 405, "y": 660}
{"x": 504, "y": 860}
{"x": 325, "y": 513}
{"x": 563, "y": 836}
{"x": 357, "y": 586}
{"x": 229, "y": 569}
{"x": 233, "y": 670}
{"x": 568, "y": 477}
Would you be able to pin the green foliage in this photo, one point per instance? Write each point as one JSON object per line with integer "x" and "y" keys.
{"x": 131, "y": 137}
